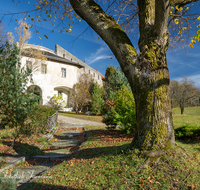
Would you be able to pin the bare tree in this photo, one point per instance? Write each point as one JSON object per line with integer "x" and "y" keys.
{"x": 183, "y": 93}
{"x": 21, "y": 37}
{"x": 3, "y": 34}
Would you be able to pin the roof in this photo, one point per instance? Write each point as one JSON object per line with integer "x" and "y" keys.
{"x": 51, "y": 56}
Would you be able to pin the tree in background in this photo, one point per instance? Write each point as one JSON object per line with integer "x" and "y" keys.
{"x": 3, "y": 34}
{"x": 21, "y": 37}
{"x": 82, "y": 92}
{"x": 113, "y": 81}
{"x": 183, "y": 93}
{"x": 15, "y": 100}
{"x": 97, "y": 99}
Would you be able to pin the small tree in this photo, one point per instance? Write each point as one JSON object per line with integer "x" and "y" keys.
{"x": 15, "y": 100}
{"x": 182, "y": 93}
{"x": 82, "y": 91}
{"x": 97, "y": 99}
{"x": 81, "y": 96}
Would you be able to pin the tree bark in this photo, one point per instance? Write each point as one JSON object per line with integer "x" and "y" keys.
{"x": 147, "y": 72}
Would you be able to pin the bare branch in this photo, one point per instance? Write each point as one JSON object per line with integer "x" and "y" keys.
{"x": 181, "y": 3}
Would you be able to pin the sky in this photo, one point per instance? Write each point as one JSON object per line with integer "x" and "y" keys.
{"x": 89, "y": 48}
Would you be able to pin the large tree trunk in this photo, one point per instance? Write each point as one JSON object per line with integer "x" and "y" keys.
{"x": 147, "y": 72}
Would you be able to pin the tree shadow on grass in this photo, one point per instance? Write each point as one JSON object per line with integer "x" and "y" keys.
{"x": 22, "y": 149}
{"x": 35, "y": 185}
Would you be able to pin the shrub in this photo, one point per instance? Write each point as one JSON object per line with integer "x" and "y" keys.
{"x": 123, "y": 112}
{"x": 38, "y": 117}
{"x": 187, "y": 131}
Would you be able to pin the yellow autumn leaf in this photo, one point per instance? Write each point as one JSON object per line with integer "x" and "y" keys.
{"x": 184, "y": 28}
{"x": 191, "y": 45}
{"x": 176, "y": 21}
{"x": 198, "y": 18}
{"x": 193, "y": 41}
{"x": 32, "y": 19}
{"x": 49, "y": 15}
{"x": 98, "y": 38}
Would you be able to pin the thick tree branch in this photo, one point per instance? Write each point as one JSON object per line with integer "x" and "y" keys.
{"x": 181, "y": 2}
{"x": 161, "y": 19}
{"x": 110, "y": 31}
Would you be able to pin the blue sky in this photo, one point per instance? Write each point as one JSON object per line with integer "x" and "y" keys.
{"x": 93, "y": 51}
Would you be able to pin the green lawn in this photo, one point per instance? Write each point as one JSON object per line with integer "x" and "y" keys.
{"x": 191, "y": 116}
{"x": 105, "y": 162}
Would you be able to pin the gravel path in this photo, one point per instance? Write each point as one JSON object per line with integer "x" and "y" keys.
{"x": 70, "y": 121}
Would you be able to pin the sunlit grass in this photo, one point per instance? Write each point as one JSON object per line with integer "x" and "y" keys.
{"x": 82, "y": 116}
{"x": 105, "y": 162}
{"x": 191, "y": 116}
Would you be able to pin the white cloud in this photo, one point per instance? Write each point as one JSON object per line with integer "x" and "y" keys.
{"x": 100, "y": 54}
{"x": 194, "y": 78}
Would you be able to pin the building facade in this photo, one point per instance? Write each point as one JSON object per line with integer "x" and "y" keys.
{"x": 55, "y": 73}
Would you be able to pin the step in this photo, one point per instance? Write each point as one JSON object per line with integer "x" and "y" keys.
{"x": 69, "y": 134}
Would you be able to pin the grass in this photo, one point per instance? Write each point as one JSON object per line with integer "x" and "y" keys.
{"x": 82, "y": 116}
{"x": 106, "y": 162}
{"x": 191, "y": 116}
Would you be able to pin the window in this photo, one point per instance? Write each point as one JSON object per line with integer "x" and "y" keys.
{"x": 63, "y": 72}
{"x": 93, "y": 74}
{"x": 28, "y": 64}
{"x": 89, "y": 71}
{"x": 44, "y": 69}
{"x": 63, "y": 55}
{"x": 98, "y": 77}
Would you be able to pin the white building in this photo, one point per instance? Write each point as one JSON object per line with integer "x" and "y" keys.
{"x": 56, "y": 72}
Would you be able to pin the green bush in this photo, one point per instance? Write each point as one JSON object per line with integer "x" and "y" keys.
{"x": 187, "y": 131}
{"x": 38, "y": 117}
{"x": 123, "y": 112}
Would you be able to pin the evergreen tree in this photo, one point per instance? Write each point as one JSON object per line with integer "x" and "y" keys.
{"x": 97, "y": 99}
{"x": 115, "y": 78}
{"x": 15, "y": 100}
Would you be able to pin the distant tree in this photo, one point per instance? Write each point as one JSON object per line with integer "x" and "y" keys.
{"x": 183, "y": 93}
{"x": 21, "y": 37}
{"x": 97, "y": 99}
{"x": 82, "y": 92}
{"x": 15, "y": 100}
{"x": 109, "y": 71}
{"x": 114, "y": 79}
{"x": 3, "y": 34}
